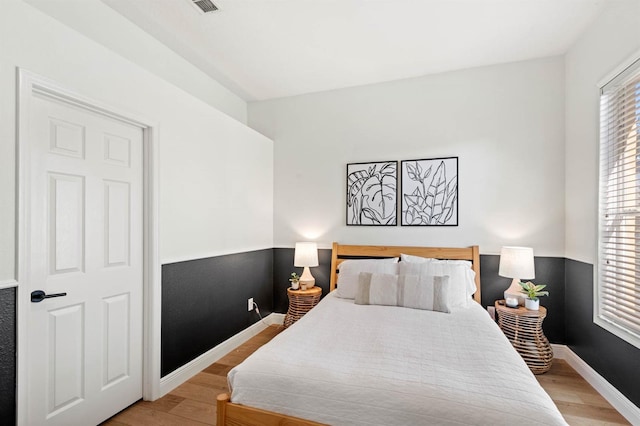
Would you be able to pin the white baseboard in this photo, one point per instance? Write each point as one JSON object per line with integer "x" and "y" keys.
{"x": 559, "y": 351}
{"x": 187, "y": 371}
{"x": 275, "y": 319}
{"x": 620, "y": 402}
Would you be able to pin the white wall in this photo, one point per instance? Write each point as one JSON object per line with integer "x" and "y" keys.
{"x": 216, "y": 174}
{"x": 613, "y": 38}
{"x": 504, "y": 122}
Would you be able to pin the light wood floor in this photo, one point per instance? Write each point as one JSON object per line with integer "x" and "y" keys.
{"x": 578, "y": 402}
{"x": 193, "y": 403}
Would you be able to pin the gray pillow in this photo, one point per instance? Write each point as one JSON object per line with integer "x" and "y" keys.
{"x": 425, "y": 292}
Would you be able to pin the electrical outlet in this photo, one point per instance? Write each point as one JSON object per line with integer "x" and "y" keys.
{"x": 250, "y": 304}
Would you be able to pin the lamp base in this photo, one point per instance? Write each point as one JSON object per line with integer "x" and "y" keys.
{"x": 514, "y": 292}
{"x": 306, "y": 279}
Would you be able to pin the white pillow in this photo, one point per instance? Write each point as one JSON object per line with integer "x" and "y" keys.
{"x": 471, "y": 283}
{"x": 411, "y": 291}
{"x": 470, "y": 274}
{"x": 461, "y": 277}
{"x": 415, "y": 259}
{"x": 350, "y": 269}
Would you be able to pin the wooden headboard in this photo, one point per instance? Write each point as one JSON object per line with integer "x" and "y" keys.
{"x": 341, "y": 253}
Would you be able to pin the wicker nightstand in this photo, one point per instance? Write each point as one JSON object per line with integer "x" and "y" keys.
{"x": 523, "y": 328}
{"x": 301, "y": 302}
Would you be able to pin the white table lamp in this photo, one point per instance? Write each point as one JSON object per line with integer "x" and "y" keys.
{"x": 306, "y": 255}
{"x": 516, "y": 263}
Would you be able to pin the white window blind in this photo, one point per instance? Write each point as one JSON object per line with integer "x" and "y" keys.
{"x": 618, "y": 287}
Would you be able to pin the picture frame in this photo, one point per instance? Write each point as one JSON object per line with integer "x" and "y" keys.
{"x": 429, "y": 192}
{"x": 372, "y": 189}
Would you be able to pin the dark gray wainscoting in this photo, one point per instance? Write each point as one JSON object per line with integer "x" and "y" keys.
{"x": 7, "y": 356}
{"x": 204, "y": 302}
{"x": 613, "y": 358}
{"x": 549, "y": 271}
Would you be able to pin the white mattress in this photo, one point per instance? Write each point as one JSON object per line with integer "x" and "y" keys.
{"x": 347, "y": 364}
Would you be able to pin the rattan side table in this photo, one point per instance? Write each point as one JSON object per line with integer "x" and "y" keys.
{"x": 301, "y": 302}
{"x": 523, "y": 328}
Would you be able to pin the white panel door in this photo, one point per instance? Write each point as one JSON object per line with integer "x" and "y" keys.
{"x": 84, "y": 233}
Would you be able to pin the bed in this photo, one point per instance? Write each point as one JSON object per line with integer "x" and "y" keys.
{"x": 351, "y": 364}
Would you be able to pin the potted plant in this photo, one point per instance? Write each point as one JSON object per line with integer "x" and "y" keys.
{"x": 295, "y": 281}
{"x": 532, "y": 291}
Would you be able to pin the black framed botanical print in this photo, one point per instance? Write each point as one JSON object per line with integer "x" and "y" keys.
{"x": 429, "y": 192}
{"x": 372, "y": 193}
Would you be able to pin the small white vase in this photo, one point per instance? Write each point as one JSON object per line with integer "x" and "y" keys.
{"x": 295, "y": 285}
{"x": 532, "y": 305}
{"x": 511, "y": 302}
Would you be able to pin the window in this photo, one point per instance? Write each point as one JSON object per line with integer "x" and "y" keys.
{"x": 618, "y": 282}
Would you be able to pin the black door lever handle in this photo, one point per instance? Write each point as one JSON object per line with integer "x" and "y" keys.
{"x": 39, "y": 295}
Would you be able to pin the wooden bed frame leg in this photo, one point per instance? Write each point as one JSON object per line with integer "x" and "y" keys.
{"x": 221, "y": 408}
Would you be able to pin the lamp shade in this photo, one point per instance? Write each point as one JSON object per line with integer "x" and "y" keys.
{"x": 517, "y": 262}
{"x": 306, "y": 254}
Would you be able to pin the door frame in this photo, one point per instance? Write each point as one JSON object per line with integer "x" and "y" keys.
{"x": 30, "y": 84}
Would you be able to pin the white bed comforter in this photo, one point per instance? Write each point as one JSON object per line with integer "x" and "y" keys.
{"x": 348, "y": 364}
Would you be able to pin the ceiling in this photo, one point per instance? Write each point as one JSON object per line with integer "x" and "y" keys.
{"x": 262, "y": 49}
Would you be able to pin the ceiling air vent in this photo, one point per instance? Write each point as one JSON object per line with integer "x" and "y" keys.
{"x": 205, "y": 6}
